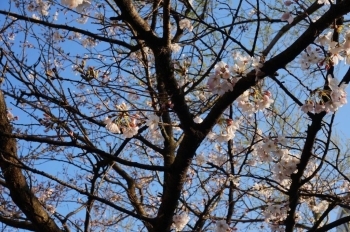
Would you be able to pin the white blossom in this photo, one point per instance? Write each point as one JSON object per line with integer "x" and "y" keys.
{"x": 82, "y": 7}
{"x": 320, "y": 207}
{"x": 34, "y": 16}
{"x": 197, "y": 119}
{"x": 269, "y": 146}
{"x": 129, "y": 132}
{"x": 325, "y": 39}
{"x": 221, "y": 226}
{"x": 175, "y": 47}
{"x": 282, "y": 140}
{"x": 111, "y": 126}
{"x": 72, "y": 3}
{"x": 326, "y": 2}
{"x": 152, "y": 122}
{"x": 55, "y": 16}
{"x": 185, "y": 24}
{"x": 307, "y": 107}
{"x": 180, "y": 221}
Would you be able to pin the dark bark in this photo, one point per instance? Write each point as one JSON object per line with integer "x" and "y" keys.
{"x": 176, "y": 178}
{"x": 294, "y": 190}
{"x": 20, "y": 193}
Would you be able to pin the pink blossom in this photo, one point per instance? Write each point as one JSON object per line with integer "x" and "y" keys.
{"x": 222, "y": 69}
{"x": 287, "y": 17}
{"x": 307, "y": 107}
{"x": 288, "y": 3}
{"x": 319, "y": 108}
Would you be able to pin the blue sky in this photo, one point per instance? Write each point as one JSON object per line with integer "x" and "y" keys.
{"x": 341, "y": 123}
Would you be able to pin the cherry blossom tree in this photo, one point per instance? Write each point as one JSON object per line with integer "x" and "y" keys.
{"x": 191, "y": 115}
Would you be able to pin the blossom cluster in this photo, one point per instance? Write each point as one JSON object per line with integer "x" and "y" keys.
{"x": 287, "y": 15}
{"x": 152, "y": 122}
{"x": 227, "y": 133}
{"x": 254, "y": 100}
{"x": 285, "y": 165}
{"x": 275, "y": 213}
{"x": 309, "y": 57}
{"x": 335, "y": 98}
{"x": 123, "y": 123}
{"x": 180, "y": 221}
{"x": 224, "y": 77}
{"x": 45, "y": 197}
{"x": 79, "y": 4}
{"x": 10, "y": 116}
{"x": 40, "y": 6}
{"x": 270, "y": 150}
{"x": 220, "y": 82}
{"x": 320, "y": 207}
{"x": 186, "y": 24}
{"x": 127, "y": 124}
{"x": 221, "y": 226}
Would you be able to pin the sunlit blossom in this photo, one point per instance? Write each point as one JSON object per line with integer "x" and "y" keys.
{"x": 221, "y": 226}
{"x": 186, "y": 24}
{"x": 152, "y": 122}
{"x": 72, "y": 3}
{"x": 180, "y": 221}
{"x": 326, "y": 2}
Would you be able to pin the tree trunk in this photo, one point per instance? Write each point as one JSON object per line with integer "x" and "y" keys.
{"x": 15, "y": 180}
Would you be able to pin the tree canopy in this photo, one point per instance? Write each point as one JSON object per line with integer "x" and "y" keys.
{"x": 189, "y": 115}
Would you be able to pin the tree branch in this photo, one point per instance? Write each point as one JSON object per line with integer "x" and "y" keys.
{"x": 69, "y": 28}
{"x": 19, "y": 190}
